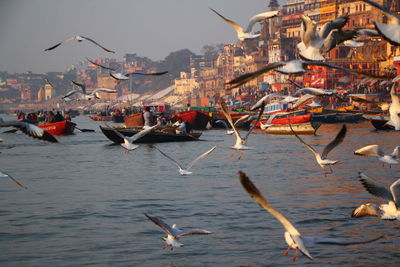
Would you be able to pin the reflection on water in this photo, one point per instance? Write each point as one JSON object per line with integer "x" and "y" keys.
{"x": 86, "y": 200}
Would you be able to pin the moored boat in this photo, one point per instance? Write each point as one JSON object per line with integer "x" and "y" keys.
{"x": 59, "y": 128}
{"x": 153, "y": 137}
{"x": 300, "y": 128}
{"x": 197, "y": 119}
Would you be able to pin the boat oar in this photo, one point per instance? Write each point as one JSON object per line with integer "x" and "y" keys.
{"x": 84, "y": 130}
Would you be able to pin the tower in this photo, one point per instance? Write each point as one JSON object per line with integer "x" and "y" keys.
{"x": 273, "y": 5}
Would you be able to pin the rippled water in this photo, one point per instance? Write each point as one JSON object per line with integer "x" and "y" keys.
{"x": 86, "y": 199}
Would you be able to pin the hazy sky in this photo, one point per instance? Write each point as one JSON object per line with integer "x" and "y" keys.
{"x": 149, "y": 28}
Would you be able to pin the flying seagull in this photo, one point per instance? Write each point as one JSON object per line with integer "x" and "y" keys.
{"x": 3, "y": 174}
{"x": 265, "y": 100}
{"x": 123, "y": 76}
{"x": 314, "y": 91}
{"x": 293, "y": 67}
{"x": 292, "y": 236}
{"x": 391, "y": 31}
{"x": 376, "y": 151}
{"x": 128, "y": 140}
{"x": 31, "y": 130}
{"x": 174, "y": 233}
{"x": 394, "y": 109}
{"x": 391, "y": 210}
{"x": 186, "y": 171}
{"x": 321, "y": 158}
{"x": 228, "y": 132}
{"x": 240, "y": 142}
{"x": 99, "y": 65}
{"x": 93, "y": 95}
{"x": 79, "y": 38}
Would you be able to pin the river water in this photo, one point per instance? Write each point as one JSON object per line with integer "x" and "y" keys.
{"x": 86, "y": 199}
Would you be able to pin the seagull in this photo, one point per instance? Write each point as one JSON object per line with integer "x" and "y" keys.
{"x": 128, "y": 140}
{"x": 303, "y": 99}
{"x": 314, "y": 91}
{"x": 394, "y": 109}
{"x": 240, "y": 142}
{"x": 361, "y": 32}
{"x": 376, "y": 151}
{"x": 186, "y": 171}
{"x": 99, "y": 65}
{"x": 293, "y": 67}
{"x": 174, "y": 233}
{"x": 365, "y": 210}
{"x": 93, "y": 95}
{"x": 312, "y": 39}
{"x": 79, "y": 38}
{"x": 228, "y": 132}
{"x": 321, "y": 158}
{"x": 244, "y": 35}
{"x": 292, "y": 236}
{"x": 3, "y": 174}
{"x": 264, "y": 101}
{"x": 31, "y": 130}
{"x": 122, "y": 76}
{"x": 391, "y": 31}
{"x": 391, "y": 210}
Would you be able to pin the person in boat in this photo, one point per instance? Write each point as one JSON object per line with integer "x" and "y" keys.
{"x": 181, "y": 126}
{"x": 58, "y": 117}
{"x": 148, "y": 117}
{"x": 161, "y": 120}
{"x": 67, "y": 116}
{"x": 49, "y": 117}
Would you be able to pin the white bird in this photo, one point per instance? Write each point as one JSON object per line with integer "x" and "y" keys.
{"x": 264, "y": 101}
{"x": 3, "y": 174}
{"x": 123, "y": 76}
{"x": 128, "y": 140}
{"x": 240, "y": 142}
{"x": 321, "y": 158}
{"x": 391, "y": 210}
{"x": 376, "y": 151}
{"x": 293, "y": 67}
{"x": 292, "y": 236}
{"x": 303, "y": 99}
{"x": 391, "y": 31}
{"x": 79, "y": 38}
{"x": 314, "y": 91}
{"x": 366, "y": 210}
{"x": 228, "y": 131}
{"x": 313, "y": 39}
{"x": 244, "y": 35}
{"x": 186, "y": 171}
{"x": 31, "y": 130}
{"x": 394, "y": 109}
{"x": 174, "y": 233}
{"x": 85, "y": 96}
{"x": 361, "y": 32}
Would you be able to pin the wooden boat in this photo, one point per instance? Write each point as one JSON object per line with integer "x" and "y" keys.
{"x": 218, "y": 115}
{"x": 197, "y": 119}
{"x": 300, "y": 128}
{"x": 134, "y": 120}
{"x": 153, "y": 137}
{"x": 59, "y": 128}
{"x": 100, "y": 118}
{"x": 338, "y": 117}
{"x": 380, "y": 123}
{"x": 286, "y": 117}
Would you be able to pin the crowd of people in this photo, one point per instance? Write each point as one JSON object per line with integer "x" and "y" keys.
{"x": 43, "y": 117}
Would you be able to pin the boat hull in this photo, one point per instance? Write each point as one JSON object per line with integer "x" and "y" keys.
{"x": 307, "y": 128}
{"x": 380, "y": 124}
{"x": 134, "y": 120}
{"x": 153, "y": 137}
{"x": 101, "y": 118}
{"x": 197, "y": 119}
{"x": 59, "y": 128}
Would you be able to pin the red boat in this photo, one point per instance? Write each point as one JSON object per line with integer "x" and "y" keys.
{"x": 59, "y": 128}
{"x": 198, "y": 119}
{"x": 285, "y": 120}
{"x": 101, "y": 118}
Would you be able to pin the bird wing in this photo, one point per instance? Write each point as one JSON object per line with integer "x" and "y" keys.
{"x": 370, "y": 150}
{"x": 222, "y": 122}
{"x": 295, "y": 84}
{"x": 260, "y": 17}
{"x": 245, "y": 117}
{"x": 99, "y": 65}
{"x": 147, "y": 74}
{"x": 333, "y": 24}
{"x": 106, "y": 90}
{"x": 361, "y": 100}
{"x": 72, "y": 92}
{"x": 142, "y": 133}
{"x": 301, "y": 140}
{"x": 265, "y": 99}
{"x": 57, "y": 45}
{"x": 194, "y": 232}
{"x": 121, "y": 78}
{"x": 49, "y": 82}
{"x": 229, "y": 118}
{"x": 382, "y": 8}
{"x": 31, "y": 130}
{"x": 365, "y": 210}
{"x": 336, "y": 37}
{"x": 368, "y": 32}
{"x": 257, "y": 120}
{"x": 234, "y": 25}
{"x": 395, "y": 190}
{"x": 81, "y": 85}
{"x": 168, "y": 157}
{"x": 394, "y": 96}
{"x": 117, "y": 132}
{"x": 335, "y": 142}
{"x": 165, "y": 227}
{"x": 200, "y": 157}
{"x": 253, "y": 191}
{"x": 375, "y": 188}
{"x": 329, "y": 65}
{"x": 96, "y": 43}
{"x": 242, "y": 79}
{"x": 334, "y": 241}
{"x": 303, "y": 99}
{"x": 4, "y": 174}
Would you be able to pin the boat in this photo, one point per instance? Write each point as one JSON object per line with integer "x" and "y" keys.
{"x": 283, "y": 118}
{"x": 219, "y": 115}
{"x": 134, "y": 120}
{"x": 100, "y": 118}
{"x": 153, "y": 137}
{"x": 197, "y": 119}
{"x": 300, "y": 128}
{"x": 380, "y": 123}
{"x": 59, "y": 128}
{"x": 338, "y": 117}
